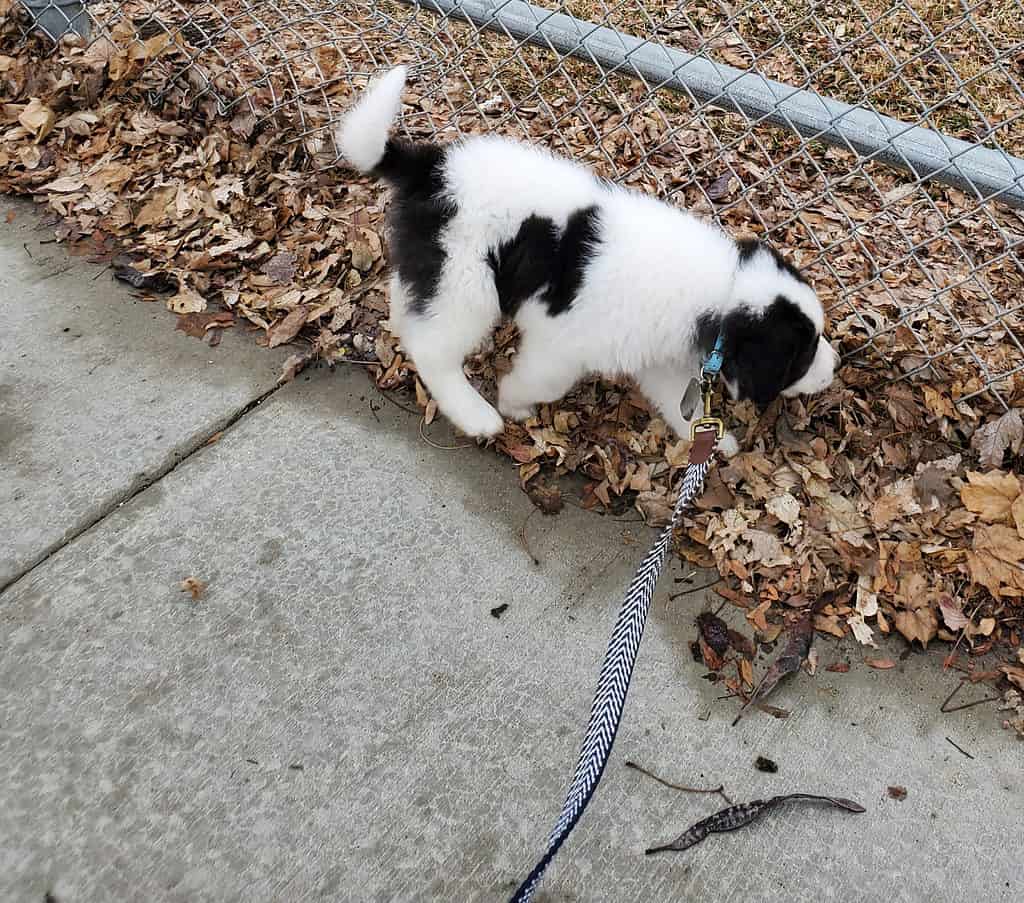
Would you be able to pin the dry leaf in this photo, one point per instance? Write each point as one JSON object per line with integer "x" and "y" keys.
{"x": 867, "y": 598}
{"x": 145, "y": 281}
{"x": 996, "y": 560}
{"x": 186, "y": 301}
{"x": 897, "y": 501}
{"x": 932, "y": 484}
{"x": 655, "y": 508}
{"x": 362, "y": 257}
{"x": 293, "y": 366}
{"x": 766, "y": 548}
{"x": 990, "y": 495}
{"x": 798, "y": 645}
{"x": 863, "y": 633}
{"x": 985, "y": 627}
{"x": 157, "y": 208}
{"x": 882, "y": 664}
{"x": 952, "y": 612}
{"x": 548, "y": 499}
{"x": 919, "y": 624}
{"x": 993, "y": 439}
{"x": 714, "y": 632}
{"x": 757, "y": 616}
{"x": 38, "y": 118}
{"x": 746, "y": 672}
{"x": 1017, "y": 513}
{"x": 286, "y": 329}
{"x": 1014, "y": 674}
{"x": 281, "y": 268}
{"x": 198, "y": 324}
{"x": 194, "y": 586}
{"x": 784, "y": 507}
{"x": 65, "y": 184}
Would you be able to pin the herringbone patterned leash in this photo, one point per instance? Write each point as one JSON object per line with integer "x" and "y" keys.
{"x": 613, "y": 682}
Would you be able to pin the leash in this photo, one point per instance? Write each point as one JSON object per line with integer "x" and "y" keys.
{"x": 619, "y": 660}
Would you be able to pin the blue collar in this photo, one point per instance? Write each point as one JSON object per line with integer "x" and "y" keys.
{"x": 712, "y": 364}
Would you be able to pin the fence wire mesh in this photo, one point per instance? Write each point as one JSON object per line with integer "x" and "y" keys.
{"x": 704, "y": 104}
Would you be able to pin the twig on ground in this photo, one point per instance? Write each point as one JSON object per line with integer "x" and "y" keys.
{"x": 399, "y": 404}
{"x": 959, "y": 748}
{"x": 946, "y": 710}
{"x": 433, "y": 444}
{"x": 720, "y": 789}
{"x": 696, "y": 589}
{"x": 963, "y": 633}
{"x": 618, "y": 520}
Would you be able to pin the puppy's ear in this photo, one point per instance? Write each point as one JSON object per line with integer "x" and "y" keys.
{"x": 766, "y": 351}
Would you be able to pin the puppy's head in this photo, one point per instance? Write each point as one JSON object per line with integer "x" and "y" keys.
{"x": 772, "y": 335}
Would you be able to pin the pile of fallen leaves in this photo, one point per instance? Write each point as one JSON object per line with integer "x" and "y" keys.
{"x": 898, "y": 503}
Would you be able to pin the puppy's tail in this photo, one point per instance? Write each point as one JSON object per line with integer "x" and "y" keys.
{"x": 362, "y": 136}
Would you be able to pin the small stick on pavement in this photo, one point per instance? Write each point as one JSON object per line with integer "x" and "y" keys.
{"x": 946, "y": 710}
{"x": 720, "y": 789}
{"x": 399, "y": 404}
{"x": 433, "y": 444}
{"x": 696, "y": 589}
{"x": 959, "y": 748}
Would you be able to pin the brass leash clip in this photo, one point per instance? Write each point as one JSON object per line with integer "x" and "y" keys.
{"x": 707, "y": 422}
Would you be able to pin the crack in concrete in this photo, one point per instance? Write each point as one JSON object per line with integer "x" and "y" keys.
{"x": 142, "y": 483}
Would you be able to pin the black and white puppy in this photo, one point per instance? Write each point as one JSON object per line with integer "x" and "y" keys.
{"x": 598, "y": 278}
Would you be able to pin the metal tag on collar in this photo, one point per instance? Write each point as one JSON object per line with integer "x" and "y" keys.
{"x": 689, "y": 407}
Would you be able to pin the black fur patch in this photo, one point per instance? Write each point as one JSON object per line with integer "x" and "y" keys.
{"x": 524, "y": 264}
{"x": 417, "y": 215}
{"x": 765, "y": 352}
{"x": 748, "y": 247}
{"x": 539, "y": 255}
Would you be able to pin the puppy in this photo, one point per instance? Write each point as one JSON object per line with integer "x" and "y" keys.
{"x": 599, "y": 279}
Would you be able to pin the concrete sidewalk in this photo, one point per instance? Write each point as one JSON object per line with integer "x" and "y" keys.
{"x": 340, "y": 716}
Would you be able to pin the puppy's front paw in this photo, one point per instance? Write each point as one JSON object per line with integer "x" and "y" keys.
{"x": 478, "y": 420}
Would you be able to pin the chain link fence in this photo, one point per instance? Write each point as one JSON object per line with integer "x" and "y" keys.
{"x": 879, "y": 143}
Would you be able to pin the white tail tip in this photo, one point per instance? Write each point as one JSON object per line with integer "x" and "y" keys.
{"x": 363, "y": 133}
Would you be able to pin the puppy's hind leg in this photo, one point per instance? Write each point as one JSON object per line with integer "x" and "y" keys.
{"x": 438, "y": 345}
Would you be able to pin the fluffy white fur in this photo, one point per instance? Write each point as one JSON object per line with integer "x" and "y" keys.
{"x": 635, "y": 313}
{"x": 364, "y": 131}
